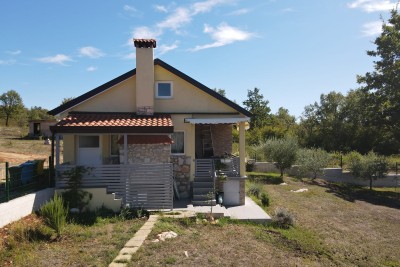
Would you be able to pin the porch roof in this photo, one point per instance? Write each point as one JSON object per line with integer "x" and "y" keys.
{"x": 112, "y": 122}
{"x": 216, "y": 120}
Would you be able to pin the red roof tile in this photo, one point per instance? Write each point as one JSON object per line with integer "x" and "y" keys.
{"x": 147, "y": 139}
{"x": 127, "y": 121}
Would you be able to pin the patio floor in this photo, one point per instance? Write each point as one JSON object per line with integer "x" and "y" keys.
{"x": 250, "y": 211}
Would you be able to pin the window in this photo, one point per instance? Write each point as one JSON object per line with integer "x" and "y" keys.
{"x": 163, "y": 89}
{"x": 88, "y": 141}
{"x": 178, "y": 147}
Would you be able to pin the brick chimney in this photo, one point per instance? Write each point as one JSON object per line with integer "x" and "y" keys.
{"x": 144, "y": 76}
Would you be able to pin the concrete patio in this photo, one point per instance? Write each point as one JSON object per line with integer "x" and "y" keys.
{"x": 249, "y": 212}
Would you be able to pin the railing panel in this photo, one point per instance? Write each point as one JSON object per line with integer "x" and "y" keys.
{"x": 140, "y": 185}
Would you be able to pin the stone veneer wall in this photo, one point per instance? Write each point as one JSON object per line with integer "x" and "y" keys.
{"x": 181, "y": 166}
{"x": 221, "y": 138}
{"x": 146, "y": 153}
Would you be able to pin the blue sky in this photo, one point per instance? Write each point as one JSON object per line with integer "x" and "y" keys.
{"x": 292, "y": 50}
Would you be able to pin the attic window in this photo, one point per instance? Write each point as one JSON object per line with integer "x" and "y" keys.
{"x": 164, "y": 89}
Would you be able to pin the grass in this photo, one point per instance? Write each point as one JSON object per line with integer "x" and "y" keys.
{"x": 266, "y": 178}
{"x": 88, "y": 243}
{"x": 335, "y": 225}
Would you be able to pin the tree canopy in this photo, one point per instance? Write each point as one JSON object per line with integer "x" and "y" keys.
{"x": 11, "y": 104}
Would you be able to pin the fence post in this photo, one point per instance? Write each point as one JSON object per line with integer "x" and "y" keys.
{"x": 7, "y": 183}
{"x": 341, "y": 161}
{"x": 50, "y": 181}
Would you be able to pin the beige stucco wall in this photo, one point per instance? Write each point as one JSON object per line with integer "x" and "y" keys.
{"x": 69, "y": 148}
{"x": 120, "y": 98}
{"x": 186, "y": 97}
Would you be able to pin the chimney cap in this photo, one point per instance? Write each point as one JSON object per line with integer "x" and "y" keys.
{"x": 145, "y": 43}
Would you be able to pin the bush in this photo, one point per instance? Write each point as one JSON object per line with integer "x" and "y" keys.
{"x": 370, "y": 167}
{"x": 254, "y": 189}
{"x": 250, "y": 166}
{"x": 55, "y": 214}
{"x": 282, "y": 151}
{"x": 312, "y": 160}
{"x": 264, "y": 199}
{"x": 282, "y": 218}
{"x": 128, "y": 213}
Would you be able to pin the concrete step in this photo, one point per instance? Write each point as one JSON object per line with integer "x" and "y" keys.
{"x": 201, "y": 191}
{"x": 204, "y": 203}
{"x": 203, "y": 184}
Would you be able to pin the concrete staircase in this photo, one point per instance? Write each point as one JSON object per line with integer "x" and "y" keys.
{"x": 203, "y": 185}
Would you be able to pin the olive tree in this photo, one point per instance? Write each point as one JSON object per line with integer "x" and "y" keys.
{"x": 369, "y": 167}
{"x": 282, "y": 151}
{"x": 312, "y": 160}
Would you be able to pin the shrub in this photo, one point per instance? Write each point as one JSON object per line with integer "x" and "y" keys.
{"x": 264, "y": 199}
{"x": 250, "y": 166}
{"x": 282, "y": 152}
{"x": 254, "y": 189}
{"x": 75, "y": 197}
{"x": 55, "y": 214}
{"x": 282, "y": 218}
{"x": 312, "y": 160}
{"x": 370, "y": 167}
{"x": 128, "y": 213}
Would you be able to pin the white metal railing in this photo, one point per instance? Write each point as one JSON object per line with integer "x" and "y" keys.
{"x": 147, "y": 186}
{"x": 230, "y": 166}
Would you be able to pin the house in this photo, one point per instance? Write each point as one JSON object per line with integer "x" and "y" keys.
{"x": 147, "y": 127}
{"x": 40, "y": 128}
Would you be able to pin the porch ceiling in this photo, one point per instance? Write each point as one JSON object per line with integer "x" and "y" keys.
{"x": 94, "y": 122}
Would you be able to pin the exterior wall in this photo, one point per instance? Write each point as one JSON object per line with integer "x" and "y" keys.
{"x": 181, "y": 167}
{"x": 44, "y": 128}
{"x": 146, "y": 153}
{"x": 120, "y": 98}
{"x": 184, "y": 95}
{"x": 221, "y": 138}
{"x": 144, "y": 77}
{"x": 100, "y": 198}
{"x": 105, "y": 148}
{"x": 23, "y": 206}
{"x": 69, "y": 148}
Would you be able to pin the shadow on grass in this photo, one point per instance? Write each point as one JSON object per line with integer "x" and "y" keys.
{"x": 352, "y": 193}
{"x": 265, "y": 178}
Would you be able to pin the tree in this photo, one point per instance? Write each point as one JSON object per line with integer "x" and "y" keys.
{"x": 38, "y": 113}
{"x": 67, "y": 99}
{"x": 312, "y": 160}
{"x": 11, "y": 104}
{"x": 220, "y": 91}
{"x": 256, "y": 104}
{"x": 370, "y": 167}
{"x": 383, "y": 84}
{"x": 282, "y": 151}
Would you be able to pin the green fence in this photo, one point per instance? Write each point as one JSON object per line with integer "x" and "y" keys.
{"x": 23, "y": 179}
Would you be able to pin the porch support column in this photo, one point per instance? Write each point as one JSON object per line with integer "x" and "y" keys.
{"x": 242, "y": 149}
{"x": 57, "y": 150}
{"x": 125, "y": 149}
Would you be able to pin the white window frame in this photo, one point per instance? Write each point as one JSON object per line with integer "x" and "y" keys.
{"x": 164, "y": 97}
{"x": 184, "y": 141}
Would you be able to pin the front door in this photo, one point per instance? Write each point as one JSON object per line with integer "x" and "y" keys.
{"x": 89, "y": 152}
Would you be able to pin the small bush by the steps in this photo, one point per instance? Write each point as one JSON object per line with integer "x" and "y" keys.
{"x": 254, "y": 189}
{"x": 282, "y": 218}
{"x": 264, "y": 199}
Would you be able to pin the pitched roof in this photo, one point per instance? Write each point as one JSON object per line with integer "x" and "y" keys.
{"x": 131, "y": 73}
{"x": 99, "y": 122}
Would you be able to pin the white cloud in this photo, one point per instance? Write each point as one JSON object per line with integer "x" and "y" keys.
{"x": 91, "y": 68}
{"x": 206, "y": 6}
{"x": 57, "y": 59}
{"x": 130, "y": 56}
{"x": 161, "y": 8}
{"x": 90, "y": 51}
{"x": 166, "y": 48}
{"x": 287, "y": 10}
{"x": 238, "y": 12}
{"x": 223, "y": 35}
{"x": 14, "y": 53}
{"x": 372, "y": 28}
{"x": 145, "y": 33}
{"x": 129, "y": 8}
{"x": 372, "y": 5}
{"x": 7, "y": 62}
{"x": 180, "y": 17}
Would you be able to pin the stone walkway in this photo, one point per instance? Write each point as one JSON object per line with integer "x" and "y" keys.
{"x": 125, "y": 255}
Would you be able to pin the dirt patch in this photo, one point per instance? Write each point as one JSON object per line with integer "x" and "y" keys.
{"x": 16, "y": 158}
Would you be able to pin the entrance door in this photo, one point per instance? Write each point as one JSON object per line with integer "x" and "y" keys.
{"x": 89, "y": 152}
